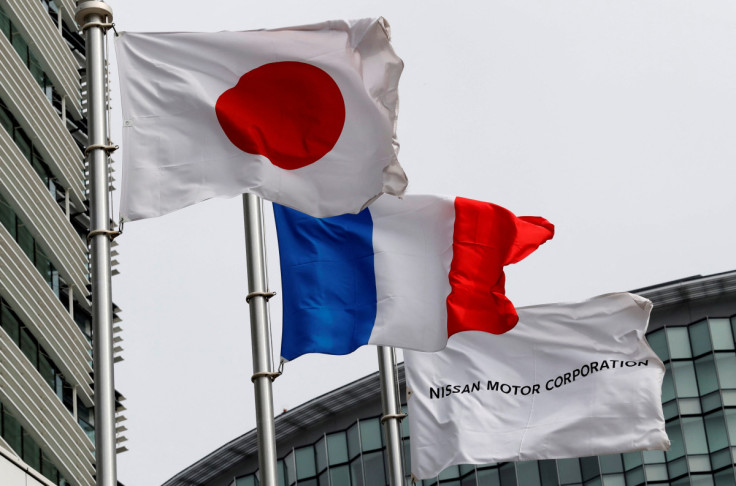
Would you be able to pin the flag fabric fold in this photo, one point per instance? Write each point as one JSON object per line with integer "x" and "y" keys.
{"x": 303, "y": 116}
{"x": 403, "y": 272}
{"x": 570, "y": 380}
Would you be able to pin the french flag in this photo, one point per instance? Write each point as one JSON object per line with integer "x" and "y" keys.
{"x": 407, "y": 273}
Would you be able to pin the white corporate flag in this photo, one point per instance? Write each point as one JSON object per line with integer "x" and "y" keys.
{"x": 303, "y": 116}
{"x": 570, "y": 380}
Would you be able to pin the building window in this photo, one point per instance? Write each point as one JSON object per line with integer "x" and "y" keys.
{"x": 23, "y": 444}
{"x": 24, "y": 144}
{"x": 40, "y": 360}
{"x": 19, "y": 231}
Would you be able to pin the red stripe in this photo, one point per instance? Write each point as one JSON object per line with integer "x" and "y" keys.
{"x": 486, "y": 238}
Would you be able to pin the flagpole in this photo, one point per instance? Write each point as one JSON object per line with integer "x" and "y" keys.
{"x": 263, "y": 374}
{"x": 94, "y": 18}
{"x": 391, "y": 414}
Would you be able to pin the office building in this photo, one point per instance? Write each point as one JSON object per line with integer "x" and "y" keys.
{"x": 337, "y": 440}
{"x": 46, "y": 376}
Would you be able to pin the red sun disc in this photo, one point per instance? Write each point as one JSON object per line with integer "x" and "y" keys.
{"x": 290, "y": 112}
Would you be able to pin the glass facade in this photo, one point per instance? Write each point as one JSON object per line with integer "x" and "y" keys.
{"x": 26, "y": 448}
{"x": 699, "y": 403}
{"x": 50, "y": 372}
{"x": 19, "y": 231}
{"x": 26, "y": 147}
{"x": 38, "y": 62}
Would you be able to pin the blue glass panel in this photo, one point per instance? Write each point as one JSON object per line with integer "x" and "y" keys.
{"x": 677, "y": 448}
{"x": 405, "y": 423}
{"x": 488, "y": 477}
{"x": 722, "y": 334}
{"x": 689, "y": 406}
{"x": 700, "y": 338}
{"x": 281, "y": 470}
{"x": 320, "y": 453}
{"x": 632, "y": 460}
{"x": 726, "y": 366}
{"x": 678, "y": 342}
{"x": 701, "y": 479}
{"x": 705, "y": 369}
{"x": 653, "y": 457}
{"x": 711, "y": 401}
{"x": 569, "y": 470}
{"x": 590, "y": 467}
{"x": 668, "y": 384}
{"x": 375, "y": 473}
{"x": 340, "y": 475}
{"x": 305, "y": 466}
{"x": 658, "y": 341}
{"x": 611, "y": 463}
{"x": 698, "y": 463}
{"x": 655, "y": 472}
{"x": 290, "y": 468}
{"x": 677, "y": 468}
{"x": 715, "y": 428}
{"x": 725, "y": 477}
{"x": 685, "y": 383}
{"x": 468, "y": 480}
{"x": 614, "y": 480}
{"x": 353, "y": 441}
{"x": 249, "y": 480}
{"x": 407, "y": 456}
{"x": 356, "y": 472}
{"x": 731, "y": 424}
{"x": 465, "y": 469}
{"x": 635, "y": 477}
{"x": 694, "y": 432}
{"x": 670, "y": 409}
{"x": 337, "y": 448}
{"x": 721, "y": 458}
{"x": 370, "y": 434}
{"x": 548, "y": 471}
{"x": 508, "y": 474}
{"x": 451, "y": 472}
{"x": 527, "y": 473}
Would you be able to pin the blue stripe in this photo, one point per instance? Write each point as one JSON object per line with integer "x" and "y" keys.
{"x": 328, "y": 282}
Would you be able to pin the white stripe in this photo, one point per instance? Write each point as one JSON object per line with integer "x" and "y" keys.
{"x": 412, "y": 240}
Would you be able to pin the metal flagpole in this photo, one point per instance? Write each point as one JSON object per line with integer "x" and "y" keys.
{"x": 263, "y": 374}
{"x": 391, "y": 414}
{"x": 95, "y": 18}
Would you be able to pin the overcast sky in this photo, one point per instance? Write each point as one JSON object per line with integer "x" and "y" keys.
{"x": 614, "y": 120}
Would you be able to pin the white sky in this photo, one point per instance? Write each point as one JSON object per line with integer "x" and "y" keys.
{"x": 614, "y": 120}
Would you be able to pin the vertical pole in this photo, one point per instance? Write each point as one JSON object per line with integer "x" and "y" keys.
{"x": 91, "y": 15}
{"x": 260, "y": 338}
{"x": 391, "y": 414}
